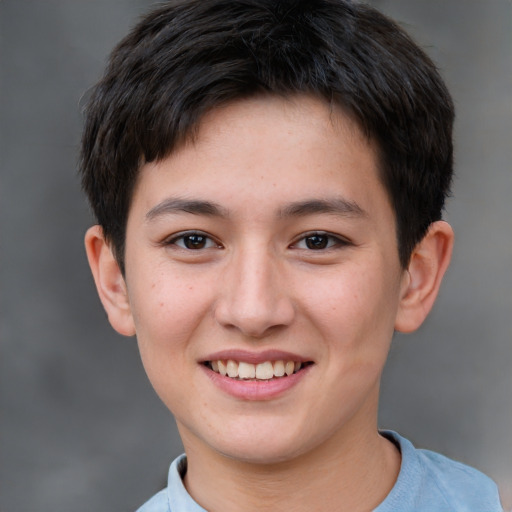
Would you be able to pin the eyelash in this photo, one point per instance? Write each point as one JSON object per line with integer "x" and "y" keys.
{"x": 331, "y": 241}
{"x": 188, "y": 235}
{"x": 324, "y": 241}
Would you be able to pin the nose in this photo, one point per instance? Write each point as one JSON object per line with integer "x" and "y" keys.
{"x": 255, "y": 299}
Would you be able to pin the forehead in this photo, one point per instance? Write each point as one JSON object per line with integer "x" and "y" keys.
{"x": 299, "y": 116}
{"x": 248, "y": 149}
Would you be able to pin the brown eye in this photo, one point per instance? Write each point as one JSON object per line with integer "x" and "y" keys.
{"x": 319, "y": 241}
{"x": 192, "y": 241}
{"x": 195, "y": 241}
{"x": 316, "y": 242}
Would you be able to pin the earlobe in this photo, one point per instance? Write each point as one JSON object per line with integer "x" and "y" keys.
{"x": 422, "y": 279}
{"x": 109, "y": 281}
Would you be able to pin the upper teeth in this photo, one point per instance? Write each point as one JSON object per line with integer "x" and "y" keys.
{"x": 263, "y": 371}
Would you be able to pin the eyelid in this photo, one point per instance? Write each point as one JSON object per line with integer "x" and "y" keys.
{"x": 340, "y": 241}
{"x": 172, "y": 239}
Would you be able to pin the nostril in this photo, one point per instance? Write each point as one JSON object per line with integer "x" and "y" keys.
{"x": 255, "y": 318}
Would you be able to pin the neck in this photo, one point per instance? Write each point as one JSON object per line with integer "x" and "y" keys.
{"x": 346, "y": 473}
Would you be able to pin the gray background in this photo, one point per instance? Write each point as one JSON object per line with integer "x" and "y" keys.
{"x": 81, "y": 428}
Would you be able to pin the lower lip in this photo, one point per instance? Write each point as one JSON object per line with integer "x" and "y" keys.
{"x": 256, "y": 389}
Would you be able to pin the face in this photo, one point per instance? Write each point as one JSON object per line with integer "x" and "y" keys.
{"x": 265, "y": 249}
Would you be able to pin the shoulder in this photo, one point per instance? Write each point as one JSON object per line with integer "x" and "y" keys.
{"x": 429, "y": 481}
{"x": 458, "y": 483}
{"x": 158, "y": 503}
{"x": 174, "y": 498}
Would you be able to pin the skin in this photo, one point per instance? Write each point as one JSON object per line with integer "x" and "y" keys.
{"x": 281, "y": 175}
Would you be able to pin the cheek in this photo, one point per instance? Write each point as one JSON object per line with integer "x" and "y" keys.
{"x": 354, "y": 306}
{"x": 167, "y": 311}
{"x": 167, "y": 324}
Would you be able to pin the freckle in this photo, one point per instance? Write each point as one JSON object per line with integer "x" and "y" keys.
{"x": 153, "y": 285}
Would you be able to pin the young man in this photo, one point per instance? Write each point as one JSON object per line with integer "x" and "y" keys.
{"x": 268, "y": 178}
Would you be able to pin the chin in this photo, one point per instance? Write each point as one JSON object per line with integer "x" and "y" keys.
{"x": 263, "y": 446}
{"x": 261, "y": 455}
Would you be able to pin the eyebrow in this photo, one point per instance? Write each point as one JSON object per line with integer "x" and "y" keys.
{"x": 336, "y": 206}
{"x": 175, "y": 205}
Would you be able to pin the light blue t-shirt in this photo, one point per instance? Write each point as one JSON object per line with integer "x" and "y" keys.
{"x": 427, "y": 482}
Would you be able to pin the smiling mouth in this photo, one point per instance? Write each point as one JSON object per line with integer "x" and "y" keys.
{"x": 266, "y": 370}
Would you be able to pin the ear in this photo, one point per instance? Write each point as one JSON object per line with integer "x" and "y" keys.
{"x": 109, "y": 281}
{"x": 423, "y": 277}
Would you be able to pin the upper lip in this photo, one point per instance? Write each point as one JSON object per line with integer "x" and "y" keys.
{"x": 254, "y": 357}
